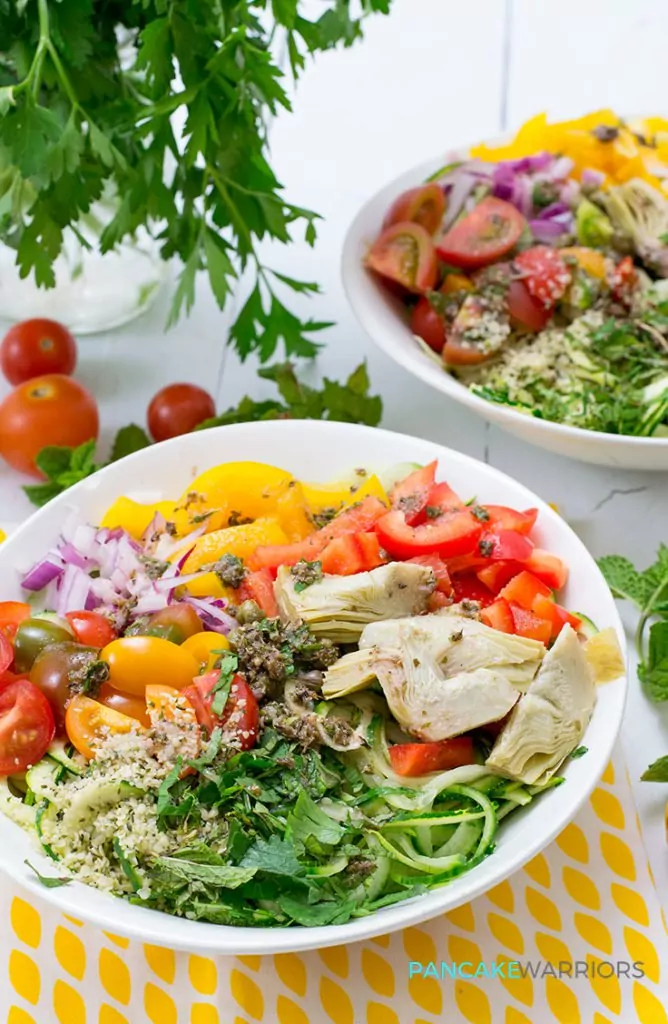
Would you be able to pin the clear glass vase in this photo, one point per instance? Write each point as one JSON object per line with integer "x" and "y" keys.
{"x": 94, "y": 291}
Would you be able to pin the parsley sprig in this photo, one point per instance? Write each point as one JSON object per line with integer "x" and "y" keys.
{"x": 164, "y": 106}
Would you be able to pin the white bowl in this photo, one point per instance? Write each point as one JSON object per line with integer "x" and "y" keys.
{"x": 380, "y": 314}
{"x": 319, "y": 451}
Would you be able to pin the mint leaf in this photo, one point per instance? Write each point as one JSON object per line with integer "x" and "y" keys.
{"x": 128, "y": 440}
{"x": 54, "y": 460}
{"x": 655, "y": 674}
{"x": 307, "y": 820}
{"x": 657, "y": 771}
{"x": 226, "y": 875}
{"x": 624, "y": 579}
{"x": 48, "y": 881}
{"x": 314, "y": 915}
{"x": 228, "y": 666}
{"x": 275, "y": 856}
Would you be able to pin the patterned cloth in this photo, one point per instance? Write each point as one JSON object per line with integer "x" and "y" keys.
{"x": 589, "y": 897}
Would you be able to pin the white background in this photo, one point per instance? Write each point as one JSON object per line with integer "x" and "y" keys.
{"x": 431, "y": 76}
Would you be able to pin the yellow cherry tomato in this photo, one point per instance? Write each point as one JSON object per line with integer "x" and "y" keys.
{"x": 165, "y": 702}
{"x": 137, "y": 661}
{"x": 205, "y": 648}
{"x": 87, "y": 721}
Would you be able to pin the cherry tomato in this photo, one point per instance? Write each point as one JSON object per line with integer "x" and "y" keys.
{"x": 12, "y": 614}
{"x": 423, "y": 205}
{"x": 421, "y": 758}
{"x": 411, "y": 494}
{"x": 134, "y": 707}
{"x": 176, "y": 623}
{"x": 206, "y": 648}
{"x": 6, "y": 653}
{"x": 241, "y": 715}
{"x": 35, "y": 347}
{"x": 178, "y": 409}
{"x": 455, "y": 532}
{"x": 456, "y": 283}
{"x": 468, "y": 340}
{"x": 61, "y": 667}
{"x": 164, "y": 702}
{"x": 428, "y": 324}
{"x": 405, "y": 253}
{"x": 53, "y": 410}
{"x": 87, "y": 722}
{"x": 26, "y": 726}
{"x": 91, "y": 628}
{"x": 524, "y": 310}
{"x": 544, "y": 273}
{"x": 32, "y": 636}
{"x": 485, "y": 234}
{"x": 136, "y": 661}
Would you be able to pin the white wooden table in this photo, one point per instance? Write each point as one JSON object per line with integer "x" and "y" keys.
{"x": 432, "y": 75}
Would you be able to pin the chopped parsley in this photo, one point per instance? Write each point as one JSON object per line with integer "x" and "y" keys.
{"x": 305, "y": 574}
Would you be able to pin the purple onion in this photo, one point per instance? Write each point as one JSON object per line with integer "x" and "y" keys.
{"x": 50, "y": 568}
{"x": 73, "y": 590}
{"x": 547, "y": 230}
{"x": 592, "y": 178}
{"x": 212, "y": 616}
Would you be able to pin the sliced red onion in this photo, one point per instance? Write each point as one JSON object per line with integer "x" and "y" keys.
{"x": 157, "y": 526}
{"x": 50, "y": 568}
{"x": 166, "y": 583}
{"x": 562, "y": 167}
{"x": 529, "y": 164}
{"x": 462, "y": 185}
{"x": 149, "y": 602}
{"x": 73, "y": 590}
{"x": 71, "y": 556}
{"x": 212, "y": 616}
{"x": 553, "y": 210}
{"x": 547, "y": 230}
{"x": 167, "y": 545}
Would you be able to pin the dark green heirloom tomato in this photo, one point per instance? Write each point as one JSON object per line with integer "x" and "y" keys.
{"x": 32, "y": 636}
{"x": 63, "y": 669}
{"x": 175, "y": 623}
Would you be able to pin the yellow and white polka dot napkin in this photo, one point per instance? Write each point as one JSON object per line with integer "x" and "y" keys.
{"x": 589, "y": 898}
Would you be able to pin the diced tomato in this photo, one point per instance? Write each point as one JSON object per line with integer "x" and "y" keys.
{"x": 441, "y": 498}
{"x": 410, "y": 494}
{"x": 453, "y": 533}
{"x": 548, "y": 609}
{"x": 624, "y": 280}
{"x": 6, "y": 653}
{"x": 421, "y": 758}
{"x": 440, "y": 570}
{"x": 12, "y": 614}
{"x": 371, "y": 551}
{"x": 428, "y": 324}
{"x": 549, "y": 568}
{"x": 241, "y": 714}
{"x": 545, "y": 273}
{"x": 469, "y": 588}
{"x": 507, "y": 545}
{"x": 503, "y": 518}
{"x": 489, "y": 231}
{"x": 524, "y": 310}
{"x": 438, "y": 600}
{"x": 259, "y": 587}
{"x": 523, "y": 590}
{"x": 342, "y": 557}
{"x": 497, "y": 574}
{"x": 530, "y": 625}
{"x": 356, "y": 519}
{"x": 499, "y": 616}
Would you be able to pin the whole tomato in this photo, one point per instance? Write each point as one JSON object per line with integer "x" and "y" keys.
{"x": 49, "y": 410}
{"x": 178, "y": 409}
{"x": 35, "y": 347}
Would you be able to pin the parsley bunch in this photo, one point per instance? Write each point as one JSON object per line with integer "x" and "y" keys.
{"x": 164, "y": 105}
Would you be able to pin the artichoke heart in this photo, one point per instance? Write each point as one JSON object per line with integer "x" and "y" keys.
{"x": 639, "y": 214}
{"x": 339, "y": 607}
{"x": 441, "y": 674}
{"x": 550, "y": 719}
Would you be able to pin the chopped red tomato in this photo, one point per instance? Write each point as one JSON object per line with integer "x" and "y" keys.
{"x": 441, "y": 498}
{"x": 469, "y": 588}
{"x": 240, "y": 716}
{"x": 342, "y": 557}
{"x": 259, "y": 587}
{"x": 12, "y": 614}
{"x": 453, "y": 533}
{"x": 440, "y": 570}
{"x": 530, "y": 625}
{"x": 506, "y": 545}
{"x": 357, "y": 519}
{"x": 624, "y": 280}
{"x": 503, "y": 518}
{"x": 410, "y": 494}
{"x": 438, "y": 600}
{"x": 404, "y": 254}
{"x": 524, "y": 310}
{"x": 499, "y": 616}
{"x": 27, "y": 726}
{"x": 549, "y": 568}
{"x": 6, "y": 653}
{"x": 424, "y": 204}
{"x": 485, "y": 234}
{"x": 548, "y": 609}
{"x": 91, "y": 628}
{"x": 523, "y": 590}
{"x": 544, "y": 273}
{"x": 497, "y": 574}
{"x": 428, "y": 324}
{"x": 421, "y": 758}
{"x": 372, "y": 553}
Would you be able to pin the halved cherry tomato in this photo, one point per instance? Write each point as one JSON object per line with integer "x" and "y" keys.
{"x": 503, "y": 518}
{"x": 136, "y": 661}
{"x": 469, "y": 340}
{"x": 544, "y": 273}
{"x": 469, "y": 588}
{"x": 206, "y": 648}
{"x": 175, "y": 623}
{"x": 87, "y": 722}
{"x": 497, "y": 574}
{"x": 452, "y": 533}
{"x": 529, "y": 625}
{"x": 524, "y": 310}
{"x": 6, "y": 653}
{"x": 134, "y": 707}
{"x": 499, "y": 616}
{"x": 241, "y": 715}
{"x": 439, "y": 569}
{"x": 485, "y": 234}
{"x": 624, "y": 280}
{"x": 405, "y": 253}
{"x": 12, "y": 614}
{"x": 549, "y": 568}
{"x": 547, "y": 608}
{"x": 91, "y": 628}
{"x": 428, "y": 324}
{"x": 523, "y": 590}
{"x": 410, "y": 495}
{"x": 423, "y": 205}
{"x": 164, "y": 702}
{"x": 421, "y": 758}
{"x": 259, "y": 587}
{"x": 26, "y": 726}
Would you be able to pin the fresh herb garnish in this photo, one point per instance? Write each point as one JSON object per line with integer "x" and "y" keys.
{"x": 578, "y": 752}
{"x": 305, "y": 574}
{"x": 221, "y": 691}
{"x": 480, "y": 513}
{"x": 48, "y": 881}
{"x": 657, "y": 771}
{"x": 433, "y": 511}
{"x": 230, "y": 571}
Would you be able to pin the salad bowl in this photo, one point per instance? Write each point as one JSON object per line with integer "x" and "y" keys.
{"x": 311, "y": 450}
{"x": 382, "y": 315}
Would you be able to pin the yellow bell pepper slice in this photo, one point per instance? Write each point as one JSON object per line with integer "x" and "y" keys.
{"x": 247, "y": 489}
{"x": 292, "y": 511}
{"x": 233, "y": 540}
{"x": 343, "y": 493}
{"x": 133, "y": 516}
{"x": 3, "y": 536}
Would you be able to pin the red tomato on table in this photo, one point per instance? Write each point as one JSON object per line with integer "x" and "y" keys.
{"x": 178, "y": 409}
{"x": 35, "y": 347}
